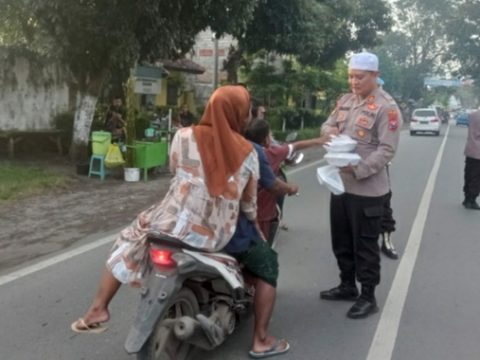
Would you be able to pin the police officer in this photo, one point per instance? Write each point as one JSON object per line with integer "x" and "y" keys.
{"x": 371, "y": 117}
{"x": 388, "y": 222}
{"x": 388, "y": 226}
{"x": 471, "y": 187}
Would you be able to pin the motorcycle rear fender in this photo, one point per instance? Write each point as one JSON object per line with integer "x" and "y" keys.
{"x": 156, "y": 298}
{"x": 157, "y": 295}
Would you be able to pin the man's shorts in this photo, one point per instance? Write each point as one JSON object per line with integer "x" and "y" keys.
{"x": 262, "y": 261}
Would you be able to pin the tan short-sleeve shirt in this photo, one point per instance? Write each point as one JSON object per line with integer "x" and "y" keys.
{"x": 375, "y": 123}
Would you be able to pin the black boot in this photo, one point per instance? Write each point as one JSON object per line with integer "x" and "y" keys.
{"x": 471, "y": 204}
{"x": 344, "y": 291}
{"x": 387, "y": 246}
{"x": 366, "y": 304}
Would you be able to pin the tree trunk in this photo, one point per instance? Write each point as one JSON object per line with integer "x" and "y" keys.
{"x": 85, "y": 110}
{"x": 232, "y": 63}
{"x": 86, "y": 102}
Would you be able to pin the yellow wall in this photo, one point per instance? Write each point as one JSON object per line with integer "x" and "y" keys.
{"x": 161, "y": 99}
{"x": 187, "y": 97}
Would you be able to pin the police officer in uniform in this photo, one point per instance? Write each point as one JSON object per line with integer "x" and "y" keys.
{"x": 371, "y": 117}
{"x": 471, "y": 187}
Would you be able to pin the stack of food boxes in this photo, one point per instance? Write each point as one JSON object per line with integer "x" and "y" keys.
{"x": 339, "y": 154}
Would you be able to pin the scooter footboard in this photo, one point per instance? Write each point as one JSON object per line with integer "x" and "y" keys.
{"x": 154, "y": 302}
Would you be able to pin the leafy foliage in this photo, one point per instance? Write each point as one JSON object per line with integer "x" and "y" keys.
{"x": 290, "y": 85}
{"x": 463, "y": 26}
{"x": 416, "y": 49}
{"x": 318, "y": 32}
{"x": 92, "y": 37}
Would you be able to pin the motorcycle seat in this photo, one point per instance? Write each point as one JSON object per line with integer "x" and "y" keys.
{"x": 160, "y": 239}
{"x": 165, "y": 240}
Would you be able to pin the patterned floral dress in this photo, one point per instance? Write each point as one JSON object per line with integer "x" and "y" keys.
{"x": 187, "y": 211}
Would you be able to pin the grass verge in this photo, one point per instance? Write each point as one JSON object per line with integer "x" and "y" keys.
{"x": 21, "y": 181}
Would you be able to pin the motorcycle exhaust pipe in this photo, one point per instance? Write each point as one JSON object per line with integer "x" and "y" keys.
{"x": 203, "y": 332}
{"x": 189, "y": 330}
{"x": 184, "y": 328}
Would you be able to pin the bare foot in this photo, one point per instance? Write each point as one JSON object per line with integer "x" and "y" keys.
{"x": 96, "y": 316}
{"x": 269, "y": 343}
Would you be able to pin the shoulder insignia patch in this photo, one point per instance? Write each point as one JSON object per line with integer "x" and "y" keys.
{"x": 392, "y": 120}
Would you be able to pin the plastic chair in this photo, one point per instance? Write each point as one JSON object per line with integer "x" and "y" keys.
{"x": 97, "y": 166}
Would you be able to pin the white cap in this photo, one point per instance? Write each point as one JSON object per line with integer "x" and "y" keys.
{"x": 364, "y": 61}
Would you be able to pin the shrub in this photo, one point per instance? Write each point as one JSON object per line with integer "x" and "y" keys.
{"x": 293, "y": 117}
{"x": 308, "y": 133}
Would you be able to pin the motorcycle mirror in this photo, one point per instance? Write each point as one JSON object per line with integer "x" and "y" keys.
{"x": 291, "y": 136}
{"x": 297, "y": 158}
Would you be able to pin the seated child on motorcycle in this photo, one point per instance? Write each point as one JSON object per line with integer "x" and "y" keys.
{"x": 258, "y": 131}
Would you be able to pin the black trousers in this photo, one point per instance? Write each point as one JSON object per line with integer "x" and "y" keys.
{"x": 355, "y": 223}
{"x": 471, "y": 186}
{"x": 388, "y": 222}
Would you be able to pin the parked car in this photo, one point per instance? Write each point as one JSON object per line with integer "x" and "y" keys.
{"x": 461, "y": 119}
{"x": 425, "y": 120}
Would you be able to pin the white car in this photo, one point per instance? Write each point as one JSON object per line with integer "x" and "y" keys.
{"x": 425, "y": 120}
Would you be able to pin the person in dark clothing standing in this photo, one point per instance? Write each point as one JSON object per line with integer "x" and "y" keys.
{"x": 388, "y": 222}
{"x": 186, "y": 118}
{"x": 114, "y": 121}
{"x": 388, "y": 225}
{"x": 471, "y": 187}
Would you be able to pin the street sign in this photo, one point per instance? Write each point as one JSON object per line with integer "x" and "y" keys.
{"x": 434, "y": 82}
{"x": 148, "y": 86}
{"x": 148, "y": 79}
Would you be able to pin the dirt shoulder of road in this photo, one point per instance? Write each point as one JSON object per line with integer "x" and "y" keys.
{"x": 55, "y": 220}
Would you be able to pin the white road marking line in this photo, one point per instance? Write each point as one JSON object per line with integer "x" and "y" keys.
{"x": 387, "y": 329}
{"x": 54, "y": 260}
{"x": 300, "y": 168}
{"x": 15, "y": 275}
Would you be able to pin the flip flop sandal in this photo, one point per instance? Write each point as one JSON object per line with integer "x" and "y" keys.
{"x": 273, "y": 351}
{"x": 81, "y": 327}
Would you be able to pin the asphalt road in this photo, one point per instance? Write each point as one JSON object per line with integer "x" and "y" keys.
{"x": 429, "y": 298}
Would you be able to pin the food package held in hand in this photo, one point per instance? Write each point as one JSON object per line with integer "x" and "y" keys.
{"x": 342, "y": 159}
{"x": 340, "y": 144}
{"x": 330, "y": 177}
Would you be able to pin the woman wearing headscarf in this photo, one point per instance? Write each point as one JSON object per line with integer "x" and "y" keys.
{"x": 215, "y": 172}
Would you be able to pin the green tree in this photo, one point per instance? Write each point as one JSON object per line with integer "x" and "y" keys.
{"x": 316, "y": 32}
{"x": 92, "y": 37}
{"x": 416, "y": 49}
{"x": 463, "y": 26}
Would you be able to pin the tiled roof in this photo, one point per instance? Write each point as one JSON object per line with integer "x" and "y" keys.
{"x": 184, "y": 65}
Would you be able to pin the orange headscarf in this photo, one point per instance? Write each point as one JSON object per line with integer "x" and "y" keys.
{"x": 218, "y": 135}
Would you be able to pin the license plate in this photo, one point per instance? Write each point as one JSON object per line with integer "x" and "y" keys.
{"x": 424, "y": 122}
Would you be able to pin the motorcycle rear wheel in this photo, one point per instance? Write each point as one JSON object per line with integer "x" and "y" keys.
{"x": 162, "y": 343}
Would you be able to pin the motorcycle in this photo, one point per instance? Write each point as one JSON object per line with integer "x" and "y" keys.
{"x": 190, "y": 299}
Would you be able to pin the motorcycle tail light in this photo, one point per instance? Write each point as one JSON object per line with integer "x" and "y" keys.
{"x": 162, "y": 257}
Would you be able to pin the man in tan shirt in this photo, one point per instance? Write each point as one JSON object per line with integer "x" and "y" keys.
{"x": 370, "y": 116}
{"x": 471, "y": 187}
